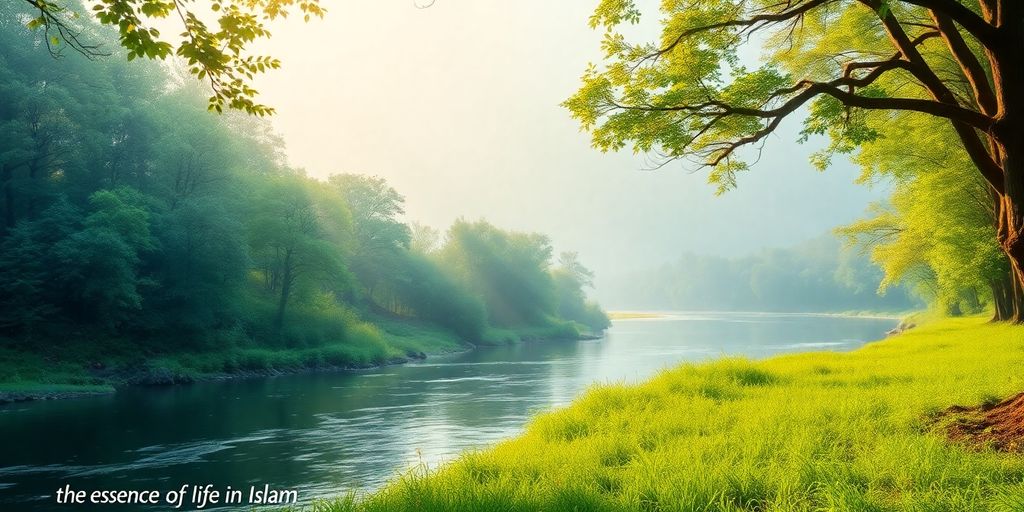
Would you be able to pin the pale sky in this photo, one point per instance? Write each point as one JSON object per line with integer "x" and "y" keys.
{"x": 457, "y": 106}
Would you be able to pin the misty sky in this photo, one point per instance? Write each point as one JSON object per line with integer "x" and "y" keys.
{"x": 457, "y": 106}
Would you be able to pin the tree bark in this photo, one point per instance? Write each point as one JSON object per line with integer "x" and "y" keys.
{"x": 1011, "y": 238}
{"x": 1011, "y": 222}
{"x": 1007, "y": 297}
{"x": 1007, "y": 62}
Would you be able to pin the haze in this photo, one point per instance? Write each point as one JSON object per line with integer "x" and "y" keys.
{"x": 457, "y": 106}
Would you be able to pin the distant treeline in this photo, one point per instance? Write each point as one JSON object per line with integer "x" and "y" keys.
{"x": 128, "y": 212}
{"x": 816, "y": 276}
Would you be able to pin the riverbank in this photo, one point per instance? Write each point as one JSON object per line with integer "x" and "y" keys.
{"x": 62, "y": 373}
{"x": 657, "y": 315}
{"x": 814, "y": 431}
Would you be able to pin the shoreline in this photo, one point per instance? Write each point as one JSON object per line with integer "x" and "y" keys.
{"x": 666, "y": 314}
{"x": 31, "y": 395}
{"x": 44, "y": 392}
{"x": 138, "y": 377}
{"x": 735, "y": 424}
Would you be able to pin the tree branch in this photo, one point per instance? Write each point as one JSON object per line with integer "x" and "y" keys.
{"x": 969, "y": 63}
{"x": 72, "y": 37}
{"x": 964, "y": 127}
{"x": 753, "y": 23}
{"x": 958, "y": 12}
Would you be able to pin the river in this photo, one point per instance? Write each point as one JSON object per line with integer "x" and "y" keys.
{"x": 323, "y": 434}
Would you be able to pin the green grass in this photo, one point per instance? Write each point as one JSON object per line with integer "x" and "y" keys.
{"x": 806, "y": 432}
{"x": 556, "y": 330}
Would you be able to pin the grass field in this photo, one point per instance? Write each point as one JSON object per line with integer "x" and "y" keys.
{"x": 807, "y": 432}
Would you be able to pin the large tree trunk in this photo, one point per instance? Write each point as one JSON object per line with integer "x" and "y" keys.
{"x": 1008, "y": 134}
{"x": 1005, "y": 297}
{"x": 1011, "y": 222}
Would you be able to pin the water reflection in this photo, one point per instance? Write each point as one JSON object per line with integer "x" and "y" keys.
{"x": 324, "y": 433}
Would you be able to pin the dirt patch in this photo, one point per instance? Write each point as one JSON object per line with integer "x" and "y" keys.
{"x": 998, "y": 426}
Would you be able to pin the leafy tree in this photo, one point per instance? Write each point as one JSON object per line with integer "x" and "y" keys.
{"x": 216, "y": 52}
{"x": 100, "y": 264}
{"x": 28, "y": 267}
{"x": 508, "y": 270}
{"x": 431, "y": 294}
{"x": 37, "y": 141}
{"x": 938, "y": 230}
{"x": 423, "y": 239}
{"x": 291, "y": 246}
{"x": 690, "y": 95}
{"x": 201, "y": 267}
{"x": 570, "y": 280}
{"x": 381, "y": 239}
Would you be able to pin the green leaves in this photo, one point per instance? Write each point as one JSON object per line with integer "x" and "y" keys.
{"x": 692, "y": 92}
{"x": 613, "y": 12}
{"x": 215, "y": 53}
{"x": 937, "y": 232}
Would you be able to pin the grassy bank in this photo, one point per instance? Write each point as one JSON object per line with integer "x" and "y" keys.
{"x": 73, "y": 369}
{"x": 806, "y": 432}
{"x": 65, "y": 370}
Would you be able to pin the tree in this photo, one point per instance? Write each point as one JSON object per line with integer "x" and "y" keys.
{"x": 570, "y": 279}
{"x": 291, "y": 243}
{"x": 201, "y": 266}
{"x": 689, "y": 95}
{"x": 938, "y": 230}
{"x": 28, "y": 267}
{"x": 508, "y": 270}
{"x": 423, "y": 239}
{"x": 381, "y": 239}
{"x": 218, "y": 55}
{"x": 100, "y": 264}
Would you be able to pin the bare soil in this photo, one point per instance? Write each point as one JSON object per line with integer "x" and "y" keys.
{"x": 998, "y": 426}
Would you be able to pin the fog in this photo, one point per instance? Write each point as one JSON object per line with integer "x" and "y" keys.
{"x": 457, "y": 105}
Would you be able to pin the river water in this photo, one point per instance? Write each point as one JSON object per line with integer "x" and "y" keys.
{"x": 323, "y": 434}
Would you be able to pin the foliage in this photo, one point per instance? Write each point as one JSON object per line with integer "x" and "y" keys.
{"x": 381, "y": 239}
{"x": 571, "y": 278}
{"x": 508, "y": 270}
{"x": 871, "y": 76}
{"x": 816, "y": 276}
{"x": 937, "y": 233}
{"x": 215, "y": 42}
{"x": 692, "y": 93}
{"x": 431, "y": 294}
{"x": 174, "y": 244}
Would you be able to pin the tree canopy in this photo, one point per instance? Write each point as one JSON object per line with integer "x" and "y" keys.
{"x": 214, "y": 41}
{"x": 132, "y": 218}
{"x": 849, "y": 68}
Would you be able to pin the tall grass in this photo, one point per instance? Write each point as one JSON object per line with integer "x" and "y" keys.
{"x": 807, "y": 432}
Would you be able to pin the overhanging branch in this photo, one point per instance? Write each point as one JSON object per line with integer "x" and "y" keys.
{"x": 958, "y": 12}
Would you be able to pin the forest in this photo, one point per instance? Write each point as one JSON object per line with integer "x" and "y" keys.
{"x": 820, "y": 275}
{"x": 153, "y": 241}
